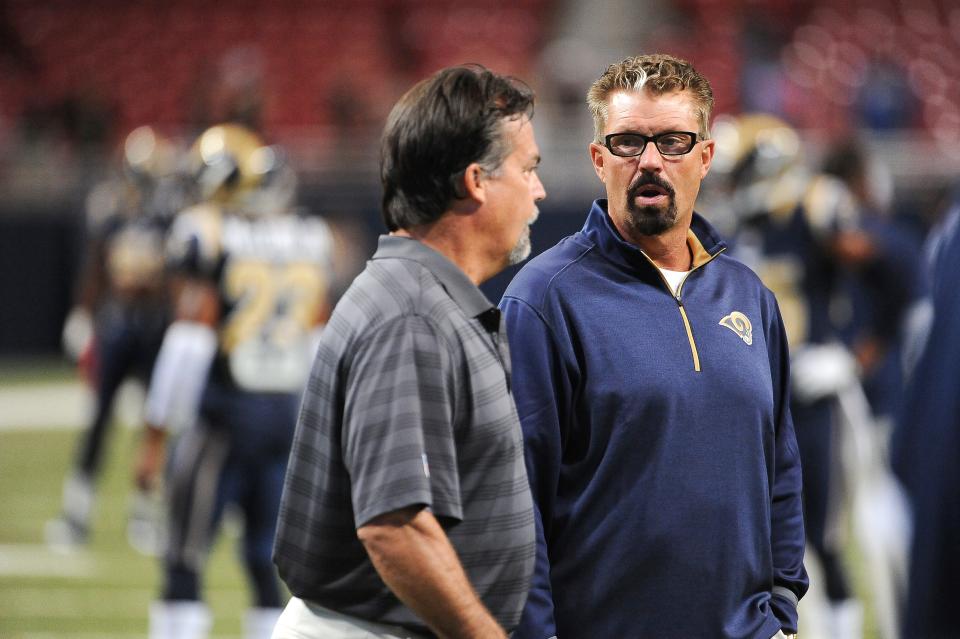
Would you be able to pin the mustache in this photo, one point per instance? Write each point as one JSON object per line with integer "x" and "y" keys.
{"x": 649, "y": 179}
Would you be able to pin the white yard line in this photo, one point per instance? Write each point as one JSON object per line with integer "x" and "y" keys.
{"x": 36, "y": 560}
{"x": 80, "y": 635}
{"x": 29, "y": 407}
{"x": 61, "y": 405}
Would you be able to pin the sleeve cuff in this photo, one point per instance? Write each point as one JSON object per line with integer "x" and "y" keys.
{"x": 784, "y": 604}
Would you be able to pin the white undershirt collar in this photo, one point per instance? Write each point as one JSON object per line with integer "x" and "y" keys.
{"x": 674, "y": 278}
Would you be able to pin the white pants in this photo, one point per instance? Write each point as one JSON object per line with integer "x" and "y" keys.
{"x": 303, "y": 620}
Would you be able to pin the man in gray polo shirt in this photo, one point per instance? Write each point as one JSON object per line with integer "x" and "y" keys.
{"x": 406, "y": 510}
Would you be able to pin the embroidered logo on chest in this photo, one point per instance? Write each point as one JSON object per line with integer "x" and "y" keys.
{"x": 739, "y": 324}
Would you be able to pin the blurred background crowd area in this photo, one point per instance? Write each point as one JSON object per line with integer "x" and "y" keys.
{"x": 318, "y": 77}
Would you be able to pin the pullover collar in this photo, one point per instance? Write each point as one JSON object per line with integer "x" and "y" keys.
{"x": 702, "y": 238}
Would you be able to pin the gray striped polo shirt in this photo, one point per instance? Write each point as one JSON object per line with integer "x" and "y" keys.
{"x": 408, "y": 403}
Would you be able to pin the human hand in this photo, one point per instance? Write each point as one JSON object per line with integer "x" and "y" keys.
{"x": 77, "y": 332}
{"x": 149, "y": 460}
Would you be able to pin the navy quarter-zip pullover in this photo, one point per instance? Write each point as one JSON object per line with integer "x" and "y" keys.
{"x": 659, "y": 443}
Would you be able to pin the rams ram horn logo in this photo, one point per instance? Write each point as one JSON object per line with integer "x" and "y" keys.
{"x": 739, "y": 324}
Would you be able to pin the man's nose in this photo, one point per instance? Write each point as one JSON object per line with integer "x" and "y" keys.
{"x": 650, "y": 159}
{"x": 539, "y": 192}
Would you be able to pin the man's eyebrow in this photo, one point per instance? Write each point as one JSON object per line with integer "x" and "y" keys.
{"x": 630, "y": 132}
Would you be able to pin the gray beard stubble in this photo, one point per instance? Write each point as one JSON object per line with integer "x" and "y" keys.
{"x": 521, "y": 249}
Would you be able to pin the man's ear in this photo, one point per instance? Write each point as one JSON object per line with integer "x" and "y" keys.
{"x": 596, "y": 154}
{"x": 474, "y": 183}
{"x": 707, "y": 149}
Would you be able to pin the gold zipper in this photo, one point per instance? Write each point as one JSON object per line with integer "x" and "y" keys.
{"x": 683, "y": 313}
{"x": 693, "y": 344}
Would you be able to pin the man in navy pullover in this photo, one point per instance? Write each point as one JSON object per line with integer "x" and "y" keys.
{"x": 651, "y": 377}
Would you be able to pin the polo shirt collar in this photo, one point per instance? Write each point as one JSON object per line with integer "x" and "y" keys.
{"x": 458, "y": 286}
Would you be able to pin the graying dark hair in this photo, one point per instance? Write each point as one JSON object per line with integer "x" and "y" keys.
{"x": 436, "y": 130}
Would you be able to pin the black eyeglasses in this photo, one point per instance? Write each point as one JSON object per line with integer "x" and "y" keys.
{"x": 628, "y": 145}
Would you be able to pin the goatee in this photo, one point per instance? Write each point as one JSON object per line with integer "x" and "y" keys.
{"x": 650, "y": 220}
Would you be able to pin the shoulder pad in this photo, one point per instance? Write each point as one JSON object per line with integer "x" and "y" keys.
{"x": 320, "y": 230}
{"x": 103, "y": 207}
{"x": 195, "y": 241}
{"x": 829, "y": 206}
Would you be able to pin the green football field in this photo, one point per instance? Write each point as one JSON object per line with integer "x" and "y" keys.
{"x": 104, "y": 590}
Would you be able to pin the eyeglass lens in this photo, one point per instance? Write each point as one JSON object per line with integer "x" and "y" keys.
{"x": 668, "y": 143}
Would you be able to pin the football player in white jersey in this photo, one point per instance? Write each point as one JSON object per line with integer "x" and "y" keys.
{"x": 250, "y": 280}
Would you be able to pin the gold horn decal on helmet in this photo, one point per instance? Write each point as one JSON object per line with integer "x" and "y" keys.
{"x": 739, "y": 324}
